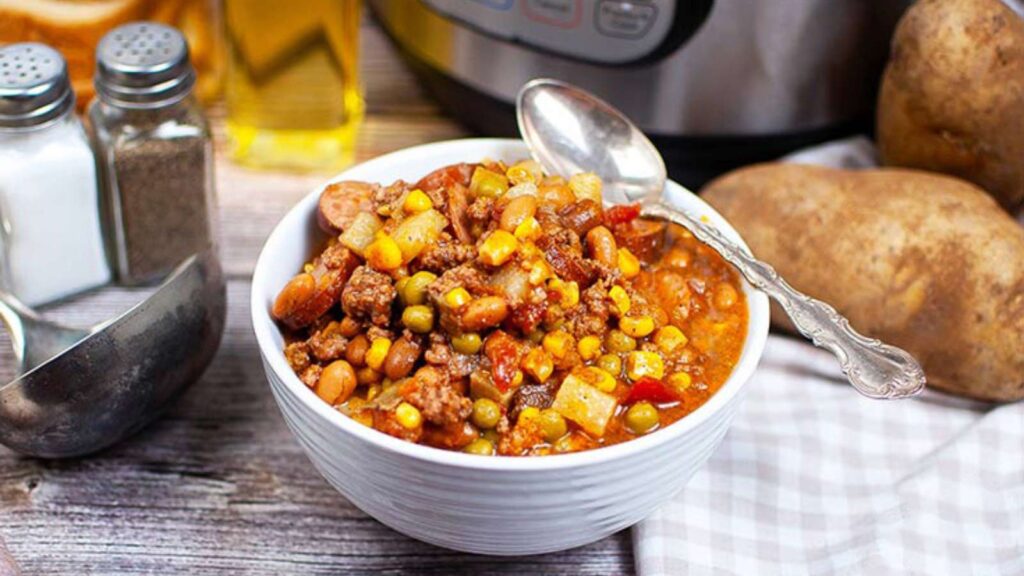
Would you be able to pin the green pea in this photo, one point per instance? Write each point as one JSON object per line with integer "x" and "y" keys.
{"x": 467, "y": 343}
{"x": 619, "y": 341}
{"x": 400, "y": 288}
{"x": 642, "y": 417}
{"x": 480, "y": 447}
{"x": 610, "y": 363}
{"x": 535, "y": 336}
{"x": 552, "y": 425}
{"x": 414, "y": 292}
{"x": 419, "y": 318}
{"x": 491, "y": 436}
{"x": 486, "y": 413}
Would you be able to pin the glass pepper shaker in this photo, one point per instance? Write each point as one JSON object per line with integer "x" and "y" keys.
{"x": 154, "y": 151}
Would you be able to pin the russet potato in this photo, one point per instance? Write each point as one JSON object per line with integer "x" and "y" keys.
{"x": 952, "y": 98}
{"x": 927, "y": 262}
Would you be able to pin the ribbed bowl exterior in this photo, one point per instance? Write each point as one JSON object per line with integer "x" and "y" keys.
{"x": 509, "y": 512}
{"x": 486, "y": 505}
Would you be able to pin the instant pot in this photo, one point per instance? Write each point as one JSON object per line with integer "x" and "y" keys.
{"x": 715, "y": 83}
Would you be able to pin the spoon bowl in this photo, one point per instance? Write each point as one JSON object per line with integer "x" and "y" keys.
{"x": 570, "y": 130}
{"x": 108, "y": 383}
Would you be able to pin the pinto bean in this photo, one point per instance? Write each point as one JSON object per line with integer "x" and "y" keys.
{"x": 602, "y": 246}
{"x": 483, "y": 313}
{"x": 517, "y": 210}
{"x": 355, "y": 352}
{"x": 401, "y": 358}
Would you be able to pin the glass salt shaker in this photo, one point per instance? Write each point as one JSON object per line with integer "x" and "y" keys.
{"x": 154, "y": 151}
{"x": 49, "y": 205}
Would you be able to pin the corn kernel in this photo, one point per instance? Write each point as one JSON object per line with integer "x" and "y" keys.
{"x": 538, "y": 364}
{"x": 417, "y": 201}
{"x": 568, "y": 292}
{"x": 498, "y": 248}
{"x": 528, "y": 229}
{"x": 629, "y": 265}
{"x": 640, "y": 364}
{"x": 308, "y": 267}
{"x": 408, "y": 416}
{"x": 378, "y": 351}
{"x": 637, "y": 327}
{"x": 586, "y": 185}
{"x": 383, "y": 254}
{"x": 589, "y": 347}
{"x": 668, "y": 338}
{"x": 457, "y": 297}
{"x": 680, "y": 380}
{"x": 517, "y": 379}
{"x": 621, "y": 299}
{"x": 539, "y": 271}
{"x": 529, "y": 413}
{"x": 558, "y": 343}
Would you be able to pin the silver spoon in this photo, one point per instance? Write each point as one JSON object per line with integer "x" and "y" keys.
{"x": 569, "y": 130}
{"x": 83, "y": 390}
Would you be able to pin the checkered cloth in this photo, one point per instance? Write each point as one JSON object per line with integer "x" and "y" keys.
{"x": 813, "y": 479}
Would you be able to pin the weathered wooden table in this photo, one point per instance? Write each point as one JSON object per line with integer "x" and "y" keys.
{"x": 219, "y": 485}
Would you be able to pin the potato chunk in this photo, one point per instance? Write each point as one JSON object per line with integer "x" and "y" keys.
{"x": 585, "y": 405}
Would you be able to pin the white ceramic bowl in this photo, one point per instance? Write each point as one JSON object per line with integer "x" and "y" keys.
{"x": 487, "y": 505}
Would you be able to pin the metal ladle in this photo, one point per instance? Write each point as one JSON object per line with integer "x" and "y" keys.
{"x": 82, "y": 390}
{"x": 569, "y": 130}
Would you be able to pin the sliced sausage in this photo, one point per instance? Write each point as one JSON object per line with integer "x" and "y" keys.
{"x": 644, "y": 238}
{"x": 311, "y": 294}
{"x": 341, "y": 201}
{"x": 447, "y": 177}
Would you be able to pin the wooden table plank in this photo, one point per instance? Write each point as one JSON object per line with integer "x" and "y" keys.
{"x": 219, "y": 485}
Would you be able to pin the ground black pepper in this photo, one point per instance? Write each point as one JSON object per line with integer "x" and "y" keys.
{"x": 164, "y": 211}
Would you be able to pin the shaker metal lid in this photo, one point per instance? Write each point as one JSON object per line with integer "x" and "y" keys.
{"x": 34, "y": 86}
{"x": 143, "y": 65}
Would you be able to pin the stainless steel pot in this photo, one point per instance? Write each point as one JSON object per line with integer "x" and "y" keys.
{"x": 720, "y": 80}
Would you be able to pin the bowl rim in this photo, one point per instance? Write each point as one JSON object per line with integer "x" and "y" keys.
{"x": 264, "y": 326}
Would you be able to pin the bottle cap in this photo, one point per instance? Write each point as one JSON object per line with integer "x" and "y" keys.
{"x": 143, "y": 65}
{"x": 34, "y": 86}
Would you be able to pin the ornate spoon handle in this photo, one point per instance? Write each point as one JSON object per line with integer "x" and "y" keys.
{"x": 875, "y": 369}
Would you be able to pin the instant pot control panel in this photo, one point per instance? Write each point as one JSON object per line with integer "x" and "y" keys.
{"x": 611, "y": 32}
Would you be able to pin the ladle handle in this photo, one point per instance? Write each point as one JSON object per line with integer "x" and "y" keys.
{"x": 875, "y": 369}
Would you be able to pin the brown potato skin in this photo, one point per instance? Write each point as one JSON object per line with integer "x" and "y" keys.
{"x": 927, "y": 262}
{"x": 952, "y": 97}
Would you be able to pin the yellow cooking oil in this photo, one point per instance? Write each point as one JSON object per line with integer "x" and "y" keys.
{"x": 292, "y": 86}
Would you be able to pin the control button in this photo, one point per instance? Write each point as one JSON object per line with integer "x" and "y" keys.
{"x": 561, "y": 13}
{"x": 625, "y": 19}
{"x": 497, "y": 4}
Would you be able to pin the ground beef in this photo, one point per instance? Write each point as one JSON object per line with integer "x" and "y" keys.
{"x": 438, "y": 353}
{"x": 536, "y": 395}
{"x": 387, "y": 199}
{"x": 564, "y": 253}
{"x": 445, "y": 254}
{"x": 464, "y": 276}
{"x": 439, "y": 401}
{"x": 297, "y": 355}
{"x": 523, "y": 437}
{"x": 591, "y": 315}
{"x": 375, "y": 332}
{"x": 480, "y": 210}
{"x": 327, "y": 343}
{"x": 368, "y": 296}
{"x": 311, "y": 375}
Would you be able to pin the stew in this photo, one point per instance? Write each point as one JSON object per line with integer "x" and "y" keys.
{"x": 495, "y": 309}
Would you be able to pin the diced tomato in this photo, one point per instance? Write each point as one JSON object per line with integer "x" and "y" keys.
{"x": 648, "y": 389}
{"x": 526, "y": 317}
{"x": 621, "y": 214}
{"x": 504, "y": 353}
